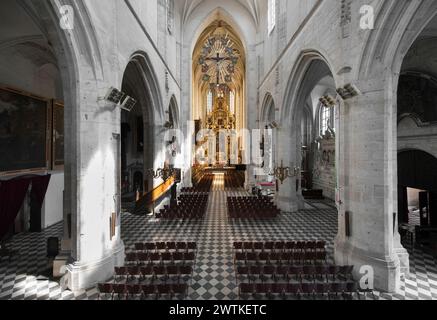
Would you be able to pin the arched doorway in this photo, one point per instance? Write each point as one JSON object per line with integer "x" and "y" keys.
{"x": 309, "y": 123}
{"x": 268, "y": 128}
{"x": 416, "y": 118}
{"x": 138, "y": 130}
{"x": 417, "y": 187}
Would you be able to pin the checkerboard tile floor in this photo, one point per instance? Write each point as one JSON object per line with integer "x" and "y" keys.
{"x": 214, "y": 275}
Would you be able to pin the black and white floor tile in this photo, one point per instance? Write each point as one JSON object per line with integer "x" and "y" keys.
{"x": 214, "y": 275}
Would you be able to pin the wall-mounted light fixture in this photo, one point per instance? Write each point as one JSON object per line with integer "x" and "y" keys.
{"x": 327, "y": 101}
{"x": 114, "y": 96}
{"x": 283, "y": 173}
{"x": 349, "y": 91}
{"x": 128, "y": 104}
{"x": 120, "y": 99}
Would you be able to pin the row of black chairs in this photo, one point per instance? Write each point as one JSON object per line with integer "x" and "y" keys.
{"x": 281, "y": 246}
{"x": 194, "y": 196}
{"x": 250, "y": 200}
{"x": 252, "y": 208}
{"x": 185, "y": 209}
{"x": 150, "y": 247}
{"x": 181, "y": 214}
{"x": 195, "y": 190}
{"x": 288, "y": 258}
{"x": 345, "y": 289}
{"x": 299, "y": 273}
{"x": 234, "y": 179}
{"x": 166, "y": 272}
{"x": 145, "y": 258}
{"x": 131, "y": 291}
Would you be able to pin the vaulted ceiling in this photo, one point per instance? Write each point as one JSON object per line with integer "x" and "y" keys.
{"x": 188, "y": 6}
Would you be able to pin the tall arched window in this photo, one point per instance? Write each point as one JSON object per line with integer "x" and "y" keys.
{"x": 232, "y": 102}
{"x": 209, "y": 101}
{"x": 271, "y": 15}
{"x": 325, "y": 119}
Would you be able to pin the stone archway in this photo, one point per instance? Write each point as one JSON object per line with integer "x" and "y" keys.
{"x": 310, "y": 71}
{"x": 417, "y": 169}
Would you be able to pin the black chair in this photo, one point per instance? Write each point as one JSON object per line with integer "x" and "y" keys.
{"x": 164, "y": 290}
{"x": 345, "y": 272}
{"x": 309, "y": 272}
{"x": 282, "y": 271}
{"x": 255, "y": 272}
{"x": 238, "y": 246}
{"x": 242, "y": 272}
{"x": 120, "y": 290}
{"x": 246, "y": 288}
{"x": 52, "y": 247}
{"x": 337, "y": 288}
{"x": 350, "y": 290}
{"x": 179, "y": 289}
{"x": 133, "y": 272}
{"x": 322, "y": 288}
{"x": 269, "y": 271}
{"x": 146, "y": 272}
{"x": 182, "y": 246}
{"x": 280, "y": 288}
{"x": 294, "y": 289}
{"x": 148, "y": 290}
{"x": 308, "y": 289}
{"x": 159, "y": 271}
{"x": 105, "y": 289}
{"x": 120, "y": 272}
{"x": 134, "y": 290}
{"x": 333, "y": 271}
{"x": 139, "y": 247}
{"x": 264, "y": 288}
{"x": 296, "y": 271}
{"x": 321, "y": 272}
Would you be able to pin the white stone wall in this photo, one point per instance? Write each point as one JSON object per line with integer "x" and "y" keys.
{"x": 52, "y": 208}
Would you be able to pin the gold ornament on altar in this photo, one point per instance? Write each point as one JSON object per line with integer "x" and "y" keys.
{"x": 221, "y": 118}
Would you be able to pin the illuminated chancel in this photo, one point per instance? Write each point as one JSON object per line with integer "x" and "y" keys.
{"x": 218, "y": 93}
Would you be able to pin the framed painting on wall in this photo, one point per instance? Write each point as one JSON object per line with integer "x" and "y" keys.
{"x": 25, "y": 122}
{"x": 58, "y": 136}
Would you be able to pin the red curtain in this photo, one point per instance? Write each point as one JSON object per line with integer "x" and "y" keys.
{"x": 39, "y": 188}
{"x": 12, "y": 195}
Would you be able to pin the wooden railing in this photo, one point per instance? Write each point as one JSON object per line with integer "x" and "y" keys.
{"x": 149, "y": 198}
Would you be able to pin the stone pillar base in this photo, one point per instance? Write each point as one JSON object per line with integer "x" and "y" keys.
{"x": 80, "y": 276}
{"x": 59, "y": 263}
{"x": 387, "y": 271}
{"x": 287, "y": 204}
{"x": 404, "y": 258}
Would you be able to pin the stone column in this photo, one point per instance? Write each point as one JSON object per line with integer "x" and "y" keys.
{"x": 95, "y": 190}
{"x": 288, "y": 200}
{"x": 366, "y": 165}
